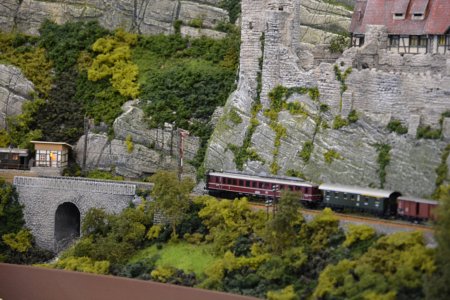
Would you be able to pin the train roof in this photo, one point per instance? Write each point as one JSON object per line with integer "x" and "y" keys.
{"x": 21, "y": 152}
{"x": 270, "y": 179}
{"x": 379, "y": 193}
{"x": 418, "y": 200}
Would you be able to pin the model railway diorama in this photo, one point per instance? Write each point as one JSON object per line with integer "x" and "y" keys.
{"x": 379, "y": 202}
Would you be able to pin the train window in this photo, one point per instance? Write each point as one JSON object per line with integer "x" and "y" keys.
{"x": 235, "y": 181}
{"x": 247, "y": 183}
{"x": 241, "y": 182}
{"x": 254, "y": 184}
{"x": 291, "y": 188}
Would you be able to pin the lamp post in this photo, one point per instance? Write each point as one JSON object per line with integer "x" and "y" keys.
{"x": 182, "y": 135}
{"x": 275, "y": 189}
{"x": 268, "y": 204}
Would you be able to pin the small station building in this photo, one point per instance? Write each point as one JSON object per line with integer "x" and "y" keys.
{"x": 52, "y": 156}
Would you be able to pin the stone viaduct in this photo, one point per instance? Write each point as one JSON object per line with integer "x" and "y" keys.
{"x": 54, "y": 207}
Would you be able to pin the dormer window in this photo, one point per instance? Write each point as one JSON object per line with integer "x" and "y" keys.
{"x": 280, "y": 8}
{"x": 399, "y": 16}
{"x": 418, "y": 16}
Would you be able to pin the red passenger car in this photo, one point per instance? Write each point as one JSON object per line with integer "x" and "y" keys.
{"x": 237, "y": 184}
{"x": 416, "y": 209}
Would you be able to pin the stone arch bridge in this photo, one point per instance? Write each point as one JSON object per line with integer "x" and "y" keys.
{"x": 54, "y": 207}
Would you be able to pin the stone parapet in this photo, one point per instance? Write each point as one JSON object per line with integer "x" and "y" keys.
{"x": 76, "y": 184}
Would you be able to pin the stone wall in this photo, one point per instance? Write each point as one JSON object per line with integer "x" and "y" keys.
{"x": 42, "y": 196}
{"x": 381, "y": 87}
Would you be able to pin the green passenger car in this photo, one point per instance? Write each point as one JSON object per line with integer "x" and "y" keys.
{"x": 374, "y": 201}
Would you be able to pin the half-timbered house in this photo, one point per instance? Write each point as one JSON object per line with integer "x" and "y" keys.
{"x": 413, "y": 26}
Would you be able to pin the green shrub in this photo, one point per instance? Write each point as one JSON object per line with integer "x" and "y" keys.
{"x": 353, "y": 116}
{"x": 197, "y": 23}
{"x": 295, "y": 108}
{"x": 339, "y": 122}
{"x": 331, "y": 155}
{"x": 233, "y": 7}
{"x": 234, "y": 117}
{"x": 426, "y": 132}
{"x": 324, "y": 107}
{"x": 177, "y": 26}
{"x": 294, "y": 173}
{"x": 383, "y": 160}
{"x": 397, "y": 127}
{"x": 129, "y": 143}
{"x": 99, "y": 174}
{"x": 339, "y": 43}
{"x": 307, "y": 149}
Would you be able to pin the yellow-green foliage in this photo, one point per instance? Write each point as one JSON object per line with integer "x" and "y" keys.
{"x": 396, "y": 263}
{"x": 30, "y": 59}
{"x": 306, "y": 151}
{"x": 357, "y": 233}
{"x": 227, "y": 220}
{"x": 339, "y": 122}
{"x": 231, "y": 262}
{"x": 19, "y": 130}
{"x": 331, "y": 155}
{"x": 114, "y": 62}
{"x": 287, "y": 293}
{"x": 320, "y": 229}
{"x": 153, "y": 232}
{"x": 82, "y": 264}
{"x": 20, "y": 241}
{"x": 195, "y": 238}
{"x": 234, "y": 117}
{"x": 129, "y": 143}
{"x": 162, "y": 274}
{"x": 215, "y": 274}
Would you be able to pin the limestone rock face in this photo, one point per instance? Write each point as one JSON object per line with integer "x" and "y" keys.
{"x": 15, "y": 89}
{"x": 320, "y": 20}
{"x": 153, "y": 149}
{"x": 142, "y": 16}
{"x": 381, "y": 87}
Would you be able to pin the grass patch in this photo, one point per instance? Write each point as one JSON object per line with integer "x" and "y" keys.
{"x": 183, "y": 256}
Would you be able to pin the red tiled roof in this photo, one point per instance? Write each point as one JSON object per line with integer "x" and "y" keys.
{"x": 419, "y": 6}
{"x": 380, "y": 12}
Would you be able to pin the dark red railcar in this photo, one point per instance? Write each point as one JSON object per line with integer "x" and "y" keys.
{"x": 239, "y": 184}
{"x": 416, "y": 208}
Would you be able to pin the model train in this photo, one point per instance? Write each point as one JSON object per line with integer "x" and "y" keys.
{"x": 379, "y": 202}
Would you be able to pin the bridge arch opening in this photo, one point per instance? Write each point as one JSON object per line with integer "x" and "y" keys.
{"x": 67, "y": 224}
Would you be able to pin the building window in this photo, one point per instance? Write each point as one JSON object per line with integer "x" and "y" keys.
{"x": 441, "y": 40}
{"x": 42, "y": 157}
{"x": 399, "y": 16}
{"x": 414, "y": 40}
{"x": 15, "y": 157}
{"x": 423, "y": 41}
{"x": 418, "y": 16}
{"x": 393, "y": 40}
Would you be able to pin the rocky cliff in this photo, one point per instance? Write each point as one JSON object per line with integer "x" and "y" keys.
{"x": 320, "y": 20}
{"x": 15, "y": 89}
{"x": 141, "y": 16}
{"x": 312, "y": 135}
{"x": 136, "y": 150}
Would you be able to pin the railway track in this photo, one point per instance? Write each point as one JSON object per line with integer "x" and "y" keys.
{"x": 349, "y": 218}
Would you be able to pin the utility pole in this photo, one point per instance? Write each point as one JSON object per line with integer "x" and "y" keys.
{"x": 86, "y": 132}
{"x": 181, "y": 136}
